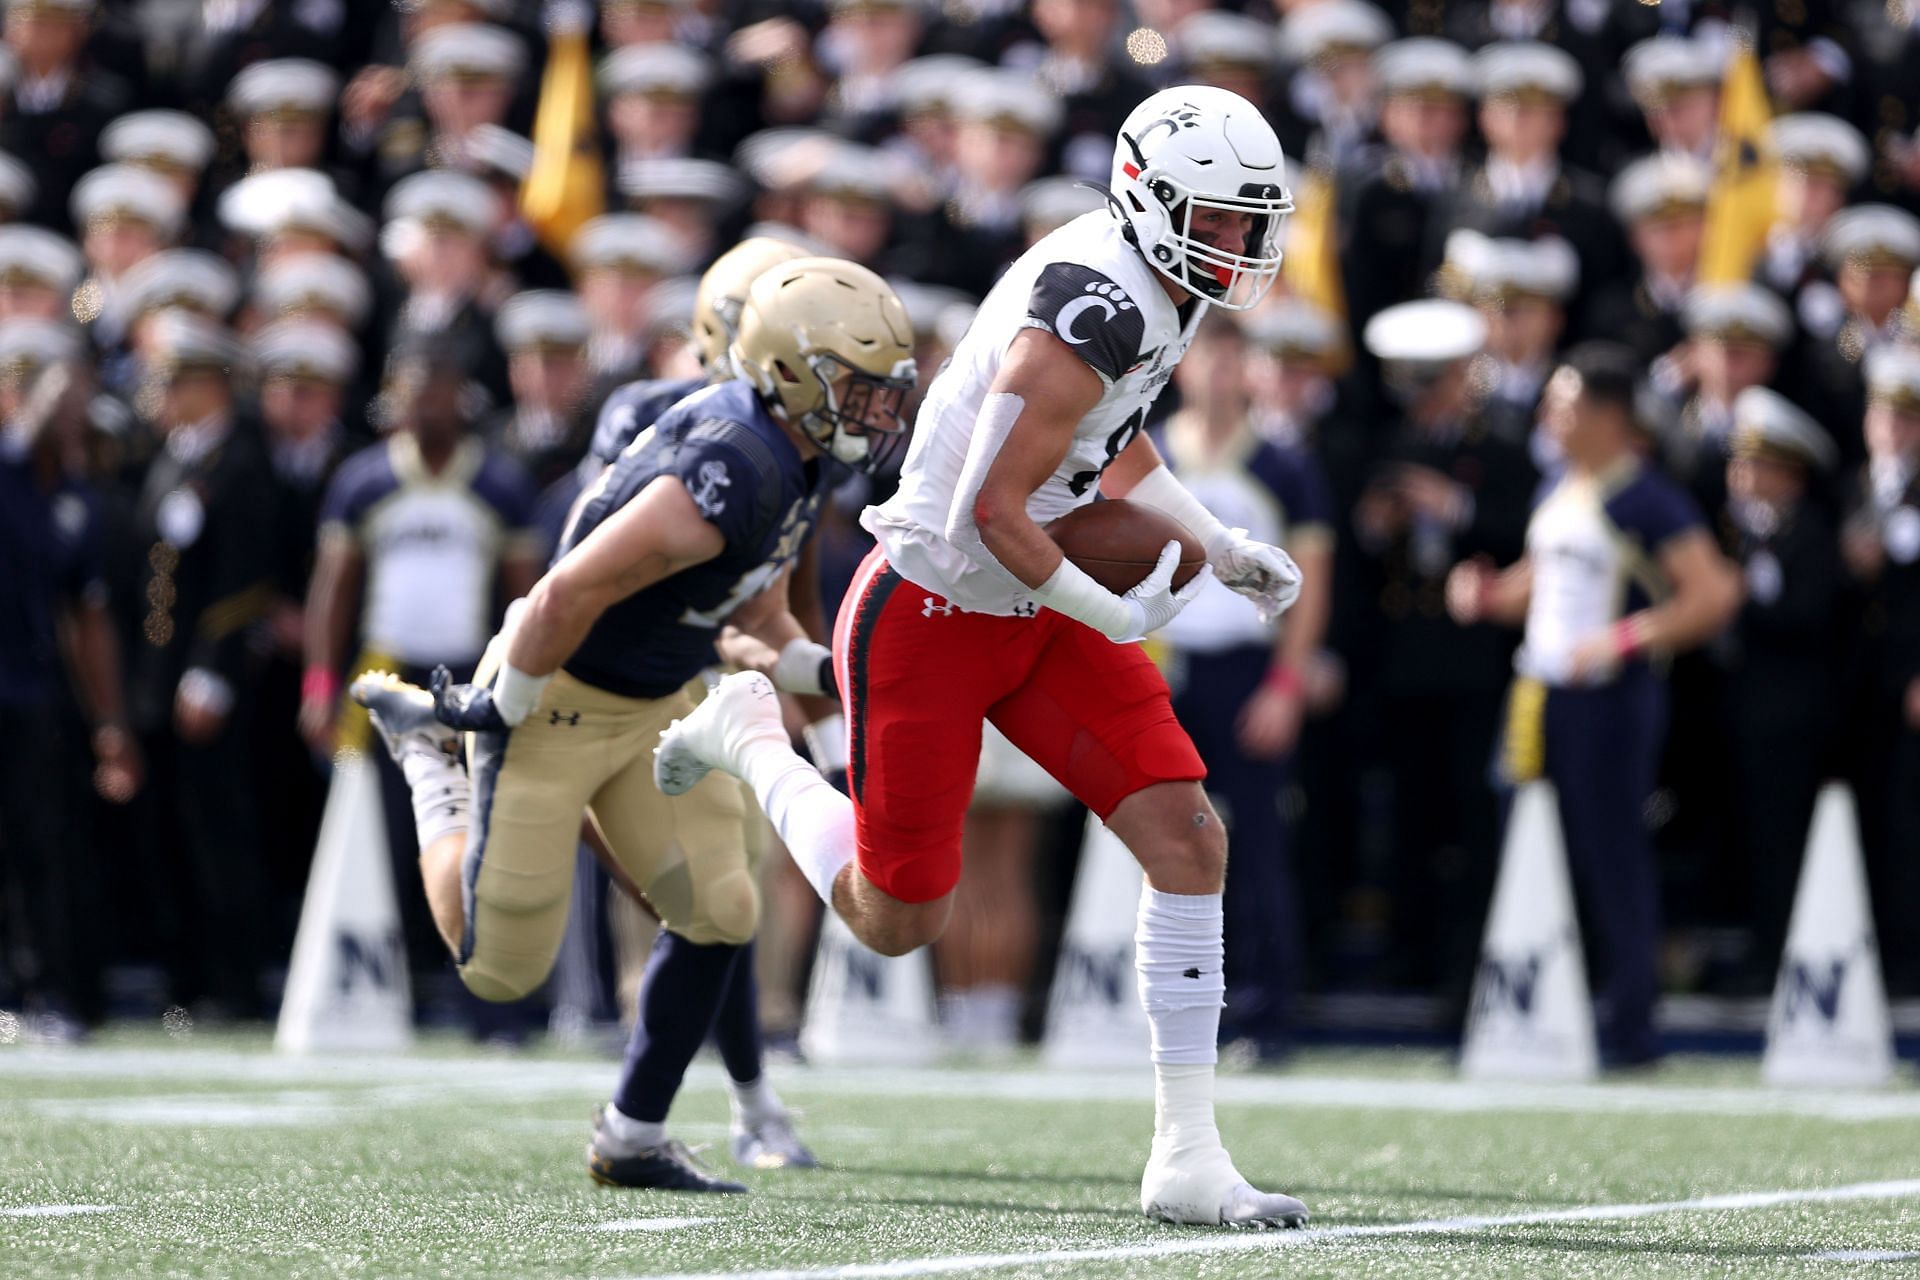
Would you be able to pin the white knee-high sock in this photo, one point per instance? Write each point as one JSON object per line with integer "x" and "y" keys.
{"x": 815, "y": 822}
{"x": 1179, "y": 953}
{"x": 442, "y": 796}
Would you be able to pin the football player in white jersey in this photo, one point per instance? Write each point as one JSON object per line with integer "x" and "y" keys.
{"x": 967, "y": 611}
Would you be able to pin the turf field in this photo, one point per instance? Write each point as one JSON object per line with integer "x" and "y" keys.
{"x": 144, "y": 1155}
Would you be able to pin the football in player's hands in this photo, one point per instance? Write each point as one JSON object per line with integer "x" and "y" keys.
{"x": 1117, "y": 542}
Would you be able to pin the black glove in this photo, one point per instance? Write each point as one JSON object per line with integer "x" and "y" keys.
{"x": 465, "y": 706}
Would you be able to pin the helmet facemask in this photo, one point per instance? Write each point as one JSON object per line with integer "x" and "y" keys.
{"x": 864, "y": 427}
{"x": 1229, "y": 280}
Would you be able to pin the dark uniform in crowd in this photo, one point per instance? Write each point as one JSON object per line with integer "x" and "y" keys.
{"x": 1454, "y": 484}
{"x": 204, "y": 528}
{"x": 1778, "y": 661}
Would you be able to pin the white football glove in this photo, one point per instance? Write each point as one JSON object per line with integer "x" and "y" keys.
{"x": 1263, "y": 574}
{"x": 1154, "y": 603}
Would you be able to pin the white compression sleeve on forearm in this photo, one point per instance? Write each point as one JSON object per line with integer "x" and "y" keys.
{"x": 1072, "y": 592}
{"x": 1160, "y": 490}
{"x": 516, "y": 694}
{"x": 998, "y": 413}
{"x": 802, "y": 666}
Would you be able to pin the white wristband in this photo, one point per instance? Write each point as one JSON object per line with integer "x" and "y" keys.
{"x": 826, "y": 740}
{"x": 516, "y": 694}
{"x": 1071, "y": 592}
{"x": 1161, "y": 491}
{"x": 799, "y": 667}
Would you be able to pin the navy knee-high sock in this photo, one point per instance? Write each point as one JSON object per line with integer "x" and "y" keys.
{"x": 678, "y": 996}
{"x": 736, "y": 1030}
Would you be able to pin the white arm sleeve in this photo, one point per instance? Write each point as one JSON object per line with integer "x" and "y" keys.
{"x": 990, "y": 430}
{"x": 1072, "y": 592}
{"x": 1160, "y": 490}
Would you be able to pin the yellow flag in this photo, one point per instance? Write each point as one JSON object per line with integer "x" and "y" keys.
{"x": 1312, "y": 265}
{"x": 565, "y": 187}
{"x": 1740, "y": 202}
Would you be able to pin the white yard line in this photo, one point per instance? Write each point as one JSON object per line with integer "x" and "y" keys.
{"x": 1861, "y": 1255}
{"x": 57, "y": 1210}
{"x": 651, "y": 1224}
{"x": 1265, "y": 1241}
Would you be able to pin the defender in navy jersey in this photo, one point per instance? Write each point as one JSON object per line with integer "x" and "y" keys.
{"x": 693, "y": 526}
{"x": 1619, "y": 574}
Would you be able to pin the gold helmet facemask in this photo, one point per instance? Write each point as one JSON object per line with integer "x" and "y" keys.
{"x": 828, "y": 342}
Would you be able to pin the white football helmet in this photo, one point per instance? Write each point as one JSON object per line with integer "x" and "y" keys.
{"x": 1193, "y": 148}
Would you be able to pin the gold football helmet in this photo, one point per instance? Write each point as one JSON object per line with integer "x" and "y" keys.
{"x": 828, "y": 343}
{"x": 723, "y": 289}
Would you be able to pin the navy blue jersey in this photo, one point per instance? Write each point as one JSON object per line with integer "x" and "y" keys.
{"x": 635, "y": 407}
{"x": 748, "y": 481}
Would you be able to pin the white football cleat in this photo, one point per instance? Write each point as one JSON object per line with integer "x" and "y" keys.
{"x": 770, "y": 1144}
{"x": 1195, "y": 1184}
{"x": 403, "y": 714}
{"x": 740, "y": 708}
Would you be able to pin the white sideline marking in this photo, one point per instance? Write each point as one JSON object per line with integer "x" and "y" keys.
{"x": 1862, "y": 1255}
{"x": 57, "y": 1210}
{"x": 403, "y": 1081}
{"x": 1268, "y": 1240}
{"x": 199, "y": 1110}
{"x": 651, "y": 1224}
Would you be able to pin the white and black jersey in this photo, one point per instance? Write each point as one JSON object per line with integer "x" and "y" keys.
{"x": 1088, "y": 286}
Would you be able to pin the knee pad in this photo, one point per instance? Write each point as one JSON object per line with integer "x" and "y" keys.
{"x": 499, "y": 979}
{"x": 725, "y": 911}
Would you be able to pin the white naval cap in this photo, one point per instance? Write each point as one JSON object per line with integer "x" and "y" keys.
{"x": 1046, "y": 203}
{"x": 1318, "y": 30}
{"x": 444, "y": 198}
{"x": 306, "y": 350}
{"x": 285, "y": 200}
{"x": 1662, "y": 183}
{"x": 58, "y": 8}
{"x": 681, "y": 178}
{"x": 1873, "y": 234}
{"x": 1424, "y": 67}
{"x": 854, "y": 172}
{"x": 1893, "y": 377}
{"x": 314, "y": 282}
{"x": 467, "y": 51}
{"x": 1767, "y": 424}
{"x": 668, "y": 70}
{"x": 182, "y": 340}
{"x": 284, "y": 87}
{"x": 1431, "y": 331}
{"x": 491, "y": 149}
{"x": 1508, "y": 267}
{"x": 168, "y": 141}
{"x": 27, "y": 345}
{"x": 34, "y": 255}
{"x": 785, "y": 159}
{"x": 125, "y": 192}
{"x": 1816, "y": 141}
{"x": 629, "y": 242}
{"x": 1740, "y": 312}
{"x": 1294, "y": 327}
{"x": 927, "y": 303}
{"x": 1657, "y": 68}
{"x": 1527, "y": 68}
{"x": 178, "y": 278}
{"x": 1214, "y": 37}
{"x": 930, "y": 84}
{"x": 670, "y": 306}
{"x": 542, "y": 319}
{"x": 18, "y": 186}
{"x": 1008, "y": 99}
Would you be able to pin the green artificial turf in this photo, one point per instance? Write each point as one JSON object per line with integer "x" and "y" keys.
{"x": 211, "y": 1156}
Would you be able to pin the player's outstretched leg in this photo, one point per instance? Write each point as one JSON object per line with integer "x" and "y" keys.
{"x": 763, "y": 1136}
{"x": 738, "y": 729}
{"x": 402, "y": 714}
{"x": 1179, "y": 953}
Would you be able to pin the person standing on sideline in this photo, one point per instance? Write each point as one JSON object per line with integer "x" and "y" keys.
{"x": 1619, "y": 574}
